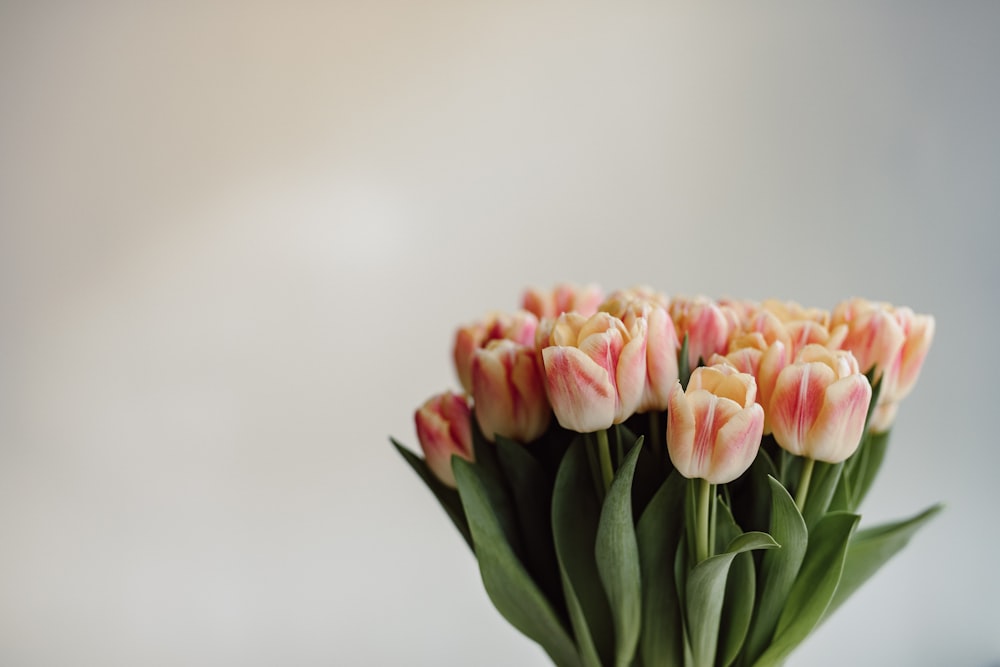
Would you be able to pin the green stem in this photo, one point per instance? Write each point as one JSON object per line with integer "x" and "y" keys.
{"x": 595, "y": 468}
{"x": 702, "y": 547}
{"x": 604, "y": 452}
{"x": 803, "y": 491}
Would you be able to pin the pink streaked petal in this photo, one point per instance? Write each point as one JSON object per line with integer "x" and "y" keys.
{"x": 796, "y": 402}
{"x": 492, "y": 392}
{"x": 736, "y": 444}
{"x": 838, "y": 428}
{"x": 580, "y": 391}
{"x": 630, "y": 376}
{"x": 681, "y": 432}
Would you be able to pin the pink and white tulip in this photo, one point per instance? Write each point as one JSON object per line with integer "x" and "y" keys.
{"x": 444, "y": 430}
{"x": 508, "y": 389}
{"x": 564, "y": 298}
{"x": 874, "y": 334}
{"x": 902, "y": 373}
{"x": 819, "y": 403}
{"x": 595, "y": 370}
{"x": 661, "y": 342}
{"x": 519, "y": 327}
{"x": 714, "y": 427}
{"x": 706, "y": 325}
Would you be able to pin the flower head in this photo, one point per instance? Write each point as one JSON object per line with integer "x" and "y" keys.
{"x": 443, "y": 430}
{"x": 819, "y": 404}
{"x": 595, "y": 370}
{"x": 714, "y": 427}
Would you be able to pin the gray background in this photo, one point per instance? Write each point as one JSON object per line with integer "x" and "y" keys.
{"x": 235, "y": 240}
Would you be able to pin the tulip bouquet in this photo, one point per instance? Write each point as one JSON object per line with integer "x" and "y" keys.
{"x": 650, "y": 482}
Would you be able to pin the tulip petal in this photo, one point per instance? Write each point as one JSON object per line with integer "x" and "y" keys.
{"x": 796, "y": 402}
{"x": 681, "y": 431}
{"x": 736, "y": 444}
{"x": 579, "y": 389}
{"x": 838, "y": 428}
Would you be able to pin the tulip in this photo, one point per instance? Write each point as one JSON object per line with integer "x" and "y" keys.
{"x": 819, "y": 403}
{"x": 595, "y": 370}
{"x": 705, "y": 324}
{"x": 661, "y": 342}
{"x": 874, "y": 334}
{"x": 444, "y": 430}
{"x": 714, "y": 427}
{"x": 902, "y": 372}
{"x": 509, "y": 392}
{"x": 564, "y": 298}
{"x": 519, "y": 327}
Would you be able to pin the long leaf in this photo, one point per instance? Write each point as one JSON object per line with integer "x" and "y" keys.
{"x": 531, "y": 490}
{"x": 871, "y": 548}
{"x": 825, "y": 479}
{"x": 778, "y": 569}
{"x": 814, "y": 587}
{"x": 447, "y": 496}
{"x": 618, "y": 560}
{"x": 871, "y": 463}
{"x": 575, "y": 515}
{"x": 706, "y": 587}
{"x": 658, "y": 534}
{"x": 508, "y": 584}
{"x": 738, "y": 601}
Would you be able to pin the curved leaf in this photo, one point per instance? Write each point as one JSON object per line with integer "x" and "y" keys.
{"x": 871, "y": 548}
{"x": 737, "y": 605}
{"x": 706, "y": 587}
{"x": 618, "y": 560}
{"x": 575, "y": 515}
{"x": 778, "y": 569}
{"x": 658, "y": 534}
{"x": 508, "y": 584}
{"x": 814, "y": 587}
{"x": 531, "y": 489}
{"x": 447, "y": 496}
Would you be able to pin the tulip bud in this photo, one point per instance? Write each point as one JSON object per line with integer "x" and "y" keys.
{"x": 819, "y": 404}
{"x": 564, "y": 298}
{"x": 661, "y": 341}
{"x": 519, "y": 327}
{"x": 443, "y": 430}
{"x": 874, "y": 335}
{"x": 714, "y": 427}
{"x": 595, "y": 370}
{"x": 706, "y": 325}
{"x": 509, "y": 392}
{"x": 901, "y": 374}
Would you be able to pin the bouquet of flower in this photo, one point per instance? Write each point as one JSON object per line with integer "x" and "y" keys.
{"x": 695, "y": 499}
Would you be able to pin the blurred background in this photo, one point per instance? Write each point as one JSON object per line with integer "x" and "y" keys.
{"x": 236, "y": 238}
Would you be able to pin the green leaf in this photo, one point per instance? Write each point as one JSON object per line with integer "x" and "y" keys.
{"x": 531, "y": 490}
{"x": 508, "y": 584}
{"x": 706, "y": 587}
{"x": 871, "y": 548}
{"x": 618, "y": 560}
{"x": 658, "y": 534}
{"x": 447, "y": 496}
{"x": 487, "y": 462}
{"x": 824, "y": 484}
{"x": 737, "y": 606}
{"x": 778, "y": 569}
{"x": 871, "y": 463}
{"x": 575, "y": 515}
{"x": 814, "y": 587}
